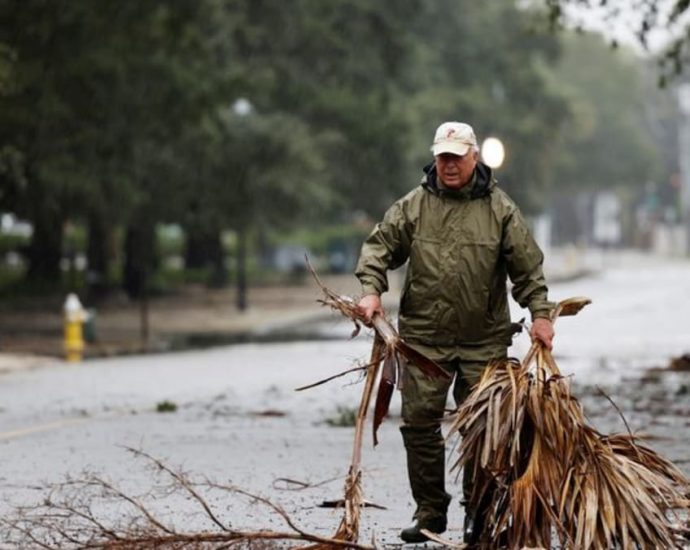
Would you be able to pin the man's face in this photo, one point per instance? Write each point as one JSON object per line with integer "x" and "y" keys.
{"x": 456, "y": 171}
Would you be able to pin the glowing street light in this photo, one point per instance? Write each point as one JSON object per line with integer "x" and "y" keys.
{"x": 493, "y": 152}
{"x": 242, "y": 107}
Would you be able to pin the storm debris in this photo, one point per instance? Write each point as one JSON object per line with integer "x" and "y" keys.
{"x": 541, "y": 470}
{"x": 71, "y": 515}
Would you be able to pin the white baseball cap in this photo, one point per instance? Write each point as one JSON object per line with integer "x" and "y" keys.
{"x": 453, "y": 137}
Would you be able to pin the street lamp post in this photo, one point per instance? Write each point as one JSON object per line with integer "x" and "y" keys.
{"x": 242, "y": 108}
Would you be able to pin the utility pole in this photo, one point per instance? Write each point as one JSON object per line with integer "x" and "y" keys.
{"x": 684, "y": 160}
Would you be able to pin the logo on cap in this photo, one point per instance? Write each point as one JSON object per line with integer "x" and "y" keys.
{"x": 453, "y": 137}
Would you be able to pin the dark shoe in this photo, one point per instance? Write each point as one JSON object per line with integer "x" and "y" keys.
{"x": 413, "y": 533}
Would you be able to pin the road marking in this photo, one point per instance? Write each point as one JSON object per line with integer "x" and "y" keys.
{"x": 43, "y": 427}
{"x": 122, "y": 411}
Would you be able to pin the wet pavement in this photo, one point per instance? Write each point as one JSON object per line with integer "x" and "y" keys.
{"x": 238, "y": 419}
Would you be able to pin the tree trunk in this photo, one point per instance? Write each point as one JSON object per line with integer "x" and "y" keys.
{"x": 264, "y": 248}
{"x": 242, "y": 268}
{"x": 219, "y": 273}
{"x": 144, "y": 309}
{"x": 139, "y": 256}
{"x": 98, "y": 255}
{"x": 196, "y": 254}
{"x": 205, "y": 249}
{"x": 45, "y": 249}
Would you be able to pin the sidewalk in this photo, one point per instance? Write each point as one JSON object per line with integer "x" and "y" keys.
{"x": 199, "y": 317}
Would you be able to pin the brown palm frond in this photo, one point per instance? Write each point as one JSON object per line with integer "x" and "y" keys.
{"x": 396, "y": 349}
{"x": 347, "y": 306}
{"x": 387, "y": 351}
{"x": 348, "y": 530}
{"x": 542, "y": 472}
{"x": 354, "y": 500}
{"x": 621, "y": 496}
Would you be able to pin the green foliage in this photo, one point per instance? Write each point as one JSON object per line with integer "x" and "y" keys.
{"x": 609, "y": 141}
{"x": 18, "y": 291}
{"x": 75, "y": 238}
{"x": 166, "y": 406}
{"x": 641, "y": 20}
{"x": 320, "y": 240}
{"x": 10, "y": 278}
{"x": 484, "y": 64}
{"x": 333, "y": 65}
{"x": 117, "y": 117}
{"x": 96, "y": 92}
{"x": 345, "y": 417}
{"x": 168, "y": 279}
{"x": 12, "y": 243}
{"x": 169, "y": 241}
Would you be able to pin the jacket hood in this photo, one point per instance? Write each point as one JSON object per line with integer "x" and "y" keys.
{"x": 481, "y": 185}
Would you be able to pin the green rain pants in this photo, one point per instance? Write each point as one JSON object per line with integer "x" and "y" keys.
{"x": 423, "y": 406}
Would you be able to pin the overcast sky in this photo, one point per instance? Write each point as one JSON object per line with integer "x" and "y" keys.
{"x": 623, "y": 27}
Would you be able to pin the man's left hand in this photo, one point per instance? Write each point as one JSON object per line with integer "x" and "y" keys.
{"x": 542, "y": 330}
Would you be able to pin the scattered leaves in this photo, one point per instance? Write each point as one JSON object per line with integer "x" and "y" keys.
{"x": 166, "y": 406}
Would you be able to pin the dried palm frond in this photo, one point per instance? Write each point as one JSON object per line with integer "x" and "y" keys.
{"x": 386, "y": 352}
{"x": 348, "y": 529}
{"x": 395, "y": 348}
{"x": 541, "y": 472}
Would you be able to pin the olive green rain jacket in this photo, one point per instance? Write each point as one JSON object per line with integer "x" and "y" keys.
{"x": 461, "y": 245}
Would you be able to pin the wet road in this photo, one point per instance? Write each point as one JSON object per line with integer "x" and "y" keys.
{"x": 239, "y": 419}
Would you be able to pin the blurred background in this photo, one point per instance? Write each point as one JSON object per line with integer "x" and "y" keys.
{"x": 172, "y": 163}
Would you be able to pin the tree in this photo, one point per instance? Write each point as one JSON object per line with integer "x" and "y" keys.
{"x": 248, "y": 171}
{"x": 96, "y": 92}
{"x": 642, "y": 18}
{"x": 38, "y": 116}
{"x": 118, "y": 115}
{"x": 615, "y": 141}
{"x": 485, "y": 65}
{"x": 335, "y": 66}
{"x": 609, "y": 141}
{"x": 317, "y": 75}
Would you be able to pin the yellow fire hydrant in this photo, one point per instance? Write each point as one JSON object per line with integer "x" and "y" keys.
{"x": 74, "y": 334}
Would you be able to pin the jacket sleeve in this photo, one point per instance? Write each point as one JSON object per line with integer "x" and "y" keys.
{"x": 524, "y": 261}
{"x": 387, "y": 247}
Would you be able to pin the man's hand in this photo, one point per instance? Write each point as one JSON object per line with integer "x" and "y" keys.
{"x": 369, "y": 305}
{"x": 542, "y": 330}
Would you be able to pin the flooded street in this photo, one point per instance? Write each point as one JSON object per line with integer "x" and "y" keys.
{"x": 638, "y": 318}
{"x": 238, "y": 418}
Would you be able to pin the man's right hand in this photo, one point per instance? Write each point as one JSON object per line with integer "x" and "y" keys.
{"x": 369, "y": 305}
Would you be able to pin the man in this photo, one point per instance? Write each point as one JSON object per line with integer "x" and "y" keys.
{"x": 463, "y": 237}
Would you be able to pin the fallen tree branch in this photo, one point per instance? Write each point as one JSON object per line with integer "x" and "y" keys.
{"x": 65, "y": 518}
{"x": 183, "y": 483}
